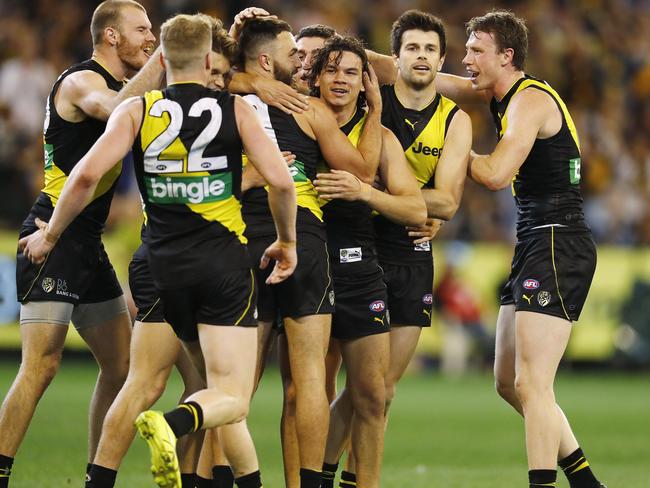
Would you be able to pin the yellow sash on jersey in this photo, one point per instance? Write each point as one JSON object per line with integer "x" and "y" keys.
{"x": 208, "y": 195}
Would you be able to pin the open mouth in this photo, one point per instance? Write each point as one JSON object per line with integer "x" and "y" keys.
{"x": 472, "y": 74}
{"x": 422, "y": 68}
{"x": 148, "y": 51}
{"x": 339, "y": 91}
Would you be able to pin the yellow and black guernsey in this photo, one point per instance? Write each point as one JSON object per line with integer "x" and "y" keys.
{"x": 350, "y": 232}
{"x": 188, "y": 164}
{"x": 547, "y": 185}
{"x": 283, "y": 129}
{"x": 65, "y": 144}
{"x": 422, "y": 136}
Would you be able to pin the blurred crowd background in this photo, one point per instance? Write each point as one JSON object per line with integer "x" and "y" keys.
{"x": 596, "y": 53}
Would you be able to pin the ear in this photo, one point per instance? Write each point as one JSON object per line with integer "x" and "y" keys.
{"x": 396, "y": 60}
{"x": 441, "y": 62}
{"x": 208, "y": 61}
{"x": 507, "y": 56}
{"x": 265, "y": 61}
{"x": 162, "y": 60}
{"x": 111, "y": 35}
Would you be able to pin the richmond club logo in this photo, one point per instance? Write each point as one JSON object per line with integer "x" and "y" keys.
{"x": 48, "y": 285}
{"x": 531, "y": 284}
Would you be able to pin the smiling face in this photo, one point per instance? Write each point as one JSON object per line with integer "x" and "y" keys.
{"x": 483, "y": 61}
{"x": 340, "y": 83}
{"x": 285, "y": 58}
{"x": 135, "y": 41}
{"x": 419, "y": 58}
{"x": 307, "y": 47}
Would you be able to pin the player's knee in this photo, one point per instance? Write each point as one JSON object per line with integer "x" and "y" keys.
{"x": 240, "y": 408}
{"x": 370, "y": 400}
{"x": 506, "y": 390}
{"x": 528, "y": 388}
{"x": 290, "y": 398}
{"x": 390, "y": 391}
{"x": 41, "y": 370}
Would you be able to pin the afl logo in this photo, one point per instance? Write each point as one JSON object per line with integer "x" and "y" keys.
{"x": 205, "y": 165}
{"x": 161, "y": 167}
{"x": 531, "y": 284}
{"x": 427, "y": 299}
{"x": 378, "y": 306}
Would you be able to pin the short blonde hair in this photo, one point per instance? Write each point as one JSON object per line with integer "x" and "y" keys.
{"x": 185, "y": 39}
{"x": 222, "y": 43}
{"x": 109, "y": 14}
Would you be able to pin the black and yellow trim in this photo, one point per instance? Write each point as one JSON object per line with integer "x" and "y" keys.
{"x": 250, "y": 299}
{"x": 557, "y": 282}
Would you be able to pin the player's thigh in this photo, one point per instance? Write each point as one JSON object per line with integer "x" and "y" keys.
{"x": 504, "y": 359}
{"x": 307, "y": 339}
{"x": 109, "y": 340}
{"x": 154, "y": 350}
{"x": 403, "y": 342}
{"x": 541, "y": 341}
{"x": 43, "y": 341}
{"x": 366, "y": 363}
{"x": 230, "y": 354}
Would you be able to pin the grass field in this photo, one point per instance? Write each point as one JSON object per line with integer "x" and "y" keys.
{"x": 452, "y": 433}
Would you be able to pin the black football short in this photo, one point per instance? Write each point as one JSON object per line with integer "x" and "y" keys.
{"x": 410, "y": 293}
{"x": 361, "y": 307}
{"x": 76, "y": 271}
{"x": 143, "y": 290}
{"x": 226, "y": 299}
{"x": 551, "y": 273}
{"x": 308, "y": 291}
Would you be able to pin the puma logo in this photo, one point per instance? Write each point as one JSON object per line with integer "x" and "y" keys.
{"x": 428, "y": 314}
{"x": 410, "y": 124}
{"x": 379, "y": 319}
{"x": 528, "y": 298}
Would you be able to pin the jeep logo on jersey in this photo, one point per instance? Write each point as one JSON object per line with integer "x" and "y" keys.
{"x": 531, "y": 284}
{"x": 297, "y": 171}
{"x": 426, "y": 150}
{"x": 378, "y": 306}
{"x": 427, "y": 299}
{"x": 189, "y": 189}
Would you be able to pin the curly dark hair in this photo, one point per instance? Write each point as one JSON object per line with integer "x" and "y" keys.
{"x": 337, "y": 45}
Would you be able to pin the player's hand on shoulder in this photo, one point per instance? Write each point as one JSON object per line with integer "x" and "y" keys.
{"x": 280, "y": 95}
{"x": 38, "y": 245}
{"x": 341, "y": 185}
{"x": 285, "y": 257}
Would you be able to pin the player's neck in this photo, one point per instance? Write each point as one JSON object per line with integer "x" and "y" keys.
{"x": 257, "y": 70}
{"x": 111, "y": 63}
{"x": 187, "y": 76}
{"x": 505, "y": 82}
{"x": 412, "y": 98}
{"x": 343, "y": 114}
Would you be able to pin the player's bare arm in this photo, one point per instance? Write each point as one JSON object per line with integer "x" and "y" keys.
{"x": 460, "y": 90}
{"x": 531, "y": 114}
{"x": 384, "y": 67}
{"x": 85, "y": 94}
{"x": 401, "y": 202}
{"x": 272, "y": 92}
{"x": 251, "y": 178}
{"x": 443, "y": 200}
{"x": 80, "y": 186}
{"x": 339, "y": 153}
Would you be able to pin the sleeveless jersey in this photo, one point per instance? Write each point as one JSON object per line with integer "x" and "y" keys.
{"x": 547, "y": 186}
{"x": 65, "y": 144}
{"x": 350, "y": 233}
{"x": 422, "y": 136}
{"x": 187, "y": 160}
{"x": 283, "y": 129}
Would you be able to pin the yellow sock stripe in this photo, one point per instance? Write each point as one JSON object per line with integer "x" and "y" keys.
{"x": 250, "y": 299}
{"x": 557, "y": 283}
{"x": 584, "y": 465}
{"x": 582, "y": 458}
{"x": 544, "y": 484}
{"x": 193, "y": 411}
